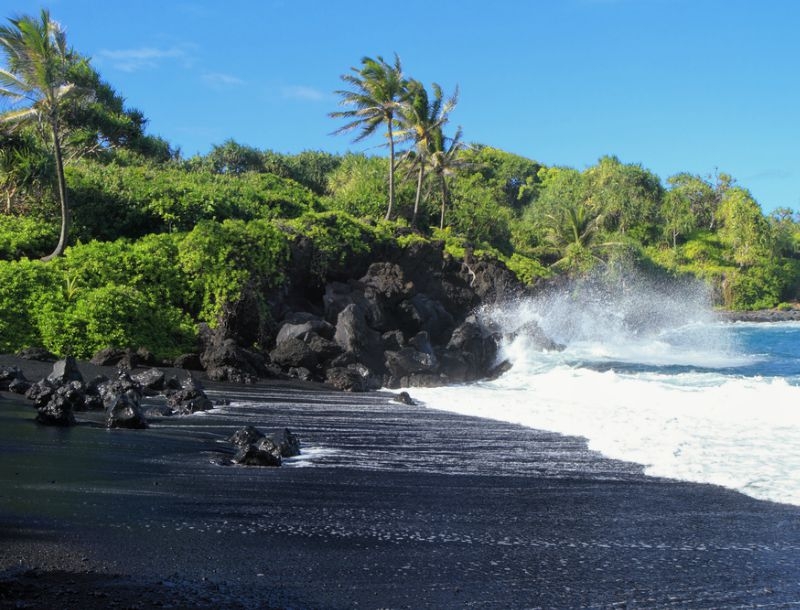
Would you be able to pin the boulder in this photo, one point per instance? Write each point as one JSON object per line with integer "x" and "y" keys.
{"x": 404, "y": 398}
{"x": 8, "y": 375}
{"x": 408, "y": 361}
{"x": 354, "y": 335}
{"x": 190, "y": 362}
{"x": 151, "y": 380}
{"x": 55, "y": 414}
{"x": 191, "y": 398}
{"x": 245, "y": 436}
{"x": 386, "y": 285}
{"x": 298, "y": 324}
{"x": 40, "y": 392}
{"x": 37, "y": 353}
{"x": 64, "y": 371}
{"x": 111, "y": 390}
{"x": 125, "y": 412}
{"x": 263, "y": 452}
{"x": 226, "y": 360}
{"x": 288, "y": 444}
{"x": 352, "y": 378}
{"x": 534, "y": 333}
{"x": 325, "y": 349}
{"x": 63, "y": 402}
{"x": 115, "y": 356}
{"x": 470, "y": 354}
{"x": 19, "y": 386}
{"x": 294, "y": 352}
{"x": 423, "y": 313}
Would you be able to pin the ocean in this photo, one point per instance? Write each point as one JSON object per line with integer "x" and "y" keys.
{"x": 650, "y": 374}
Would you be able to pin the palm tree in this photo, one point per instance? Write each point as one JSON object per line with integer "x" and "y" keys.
{"x": 444, "y": 160}
{"x": 423, "y": 120}
{"x": 378, "y": 91}
{"x": 37, "y": 60}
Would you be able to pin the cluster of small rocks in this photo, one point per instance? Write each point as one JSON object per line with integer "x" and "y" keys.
{"x": 64, "y": 392}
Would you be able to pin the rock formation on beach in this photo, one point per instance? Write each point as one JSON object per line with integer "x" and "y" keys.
{"x": 407, "y": 318}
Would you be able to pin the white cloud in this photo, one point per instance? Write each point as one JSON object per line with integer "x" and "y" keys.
{"x": 143, "y": 58}
{"x": 302, "y": 93}
{"x": 221, "y": 80}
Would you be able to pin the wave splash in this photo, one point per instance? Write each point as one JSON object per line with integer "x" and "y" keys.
{"x": 648, "y": 375}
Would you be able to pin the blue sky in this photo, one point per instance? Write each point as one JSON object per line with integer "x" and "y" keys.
{"x": 676, "y": 85}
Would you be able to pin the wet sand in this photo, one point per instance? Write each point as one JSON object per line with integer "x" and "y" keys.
{"x": 391, "y": 506}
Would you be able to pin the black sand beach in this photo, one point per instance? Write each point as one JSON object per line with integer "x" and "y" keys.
{"x": 391, "y": 506}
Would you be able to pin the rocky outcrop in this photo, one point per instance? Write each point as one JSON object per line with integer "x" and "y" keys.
{"x": 396, "y": 316}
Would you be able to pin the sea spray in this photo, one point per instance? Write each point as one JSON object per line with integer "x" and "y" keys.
{"x": 648, "y": 374}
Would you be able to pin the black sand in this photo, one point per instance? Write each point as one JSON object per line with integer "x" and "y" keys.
{"x": 396, "y": 507}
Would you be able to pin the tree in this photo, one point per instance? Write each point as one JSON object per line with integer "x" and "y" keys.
{"x": 37, "y": 61}
{"x": 444, "y": 161}
{"x": 378, "y": 91}
{"x": 423, "y": 119}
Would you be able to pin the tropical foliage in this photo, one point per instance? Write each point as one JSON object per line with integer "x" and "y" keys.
{"x": 181, "y": 241}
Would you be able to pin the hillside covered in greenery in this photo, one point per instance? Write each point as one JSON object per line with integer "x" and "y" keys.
{"x": 149, "y": 244}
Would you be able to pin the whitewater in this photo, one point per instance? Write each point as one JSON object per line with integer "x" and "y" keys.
{"x": 649, "y": 374}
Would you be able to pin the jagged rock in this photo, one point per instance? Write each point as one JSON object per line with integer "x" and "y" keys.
{"x": 408, "y": 361}
{"x": 9, "y": 374}
{"x": 301, "y": 373}
{"x": 354, "y": 335}
{"x": 37, "y": 353}
{"x": 40, "y": 393}
{"x": 19, "y": 386}
{"x": 385, "y": 283}
{"x": 534, "y": 333}
{"x": 229, "y": 361}
{"x": 93, "y": 402}
{"x": 114, "y": 356}
{"x": 294, "y": 352}
{"x": 404, "y": 398}
{"x": 190, "y": 362}
{"x": 111, "y": 390}
{"x": 64, "y": 371}
{"x": 93, "y": 385}
{"x": 298, "y": 324}
{"x": 352, "y": 378}
{"x": 191, "y": 398}
{"x": 288, "y": 444}
{"x": 392, "y": 341}
{"x": 263, "y": 452}
{"x": 423, "y": 380}
{"x": 125, "y": 412}
{"x": 423, "y": 313}
{"x": 245, "y": 436}
{"x": 151, "y": 379}
{"x": 63, "y": 402}
{"x": 231, "y": 374}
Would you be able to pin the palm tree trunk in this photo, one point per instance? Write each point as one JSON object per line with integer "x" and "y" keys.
{"x": 62, "y": 195}
{"x": 391, "y": 174}
{"x": 420, "y": 176}
{"x": 445, "y": 201}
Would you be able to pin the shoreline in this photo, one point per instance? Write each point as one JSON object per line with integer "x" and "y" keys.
{"x": 393, "y": 506}
{"x": 761, "y": 315}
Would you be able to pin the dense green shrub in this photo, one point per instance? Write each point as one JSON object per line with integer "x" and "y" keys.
{"x": 221, "y": 259}
{"x": 112, "y": 315}
{"x": 22, "y": 284}
{"x": 26, "y": 236}
{"x": 112, "y": 201}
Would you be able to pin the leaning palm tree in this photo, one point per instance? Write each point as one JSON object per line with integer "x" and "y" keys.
{"x": 444, "y": 160}
{"x": 423, "y": 119}
{"x": 35, "y": 77}
{"x": 378, "y": 90}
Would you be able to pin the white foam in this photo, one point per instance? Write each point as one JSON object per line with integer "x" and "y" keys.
{"x": 739, "y": 433}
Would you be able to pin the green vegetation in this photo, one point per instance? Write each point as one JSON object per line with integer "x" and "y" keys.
{"x": 151, "y": 245}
